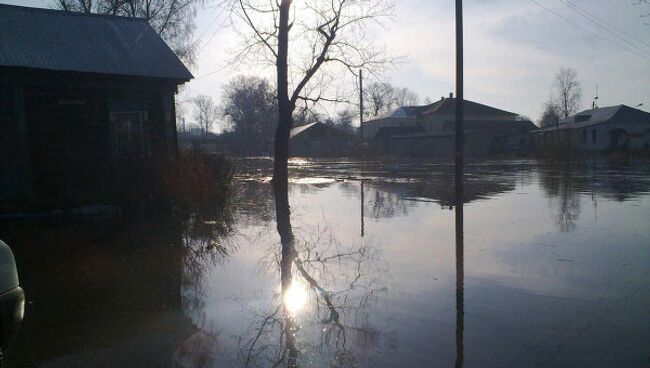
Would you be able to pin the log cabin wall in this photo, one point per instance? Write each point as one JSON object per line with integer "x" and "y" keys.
{"x": 9, "y": 164}
{"x": 88, "y": 139}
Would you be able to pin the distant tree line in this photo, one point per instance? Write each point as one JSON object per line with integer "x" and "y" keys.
{"x": 248, "y": 112}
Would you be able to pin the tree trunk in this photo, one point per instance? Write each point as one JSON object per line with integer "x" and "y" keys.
{"x": 281, "y": 174}
{"x": 285, "y": 110}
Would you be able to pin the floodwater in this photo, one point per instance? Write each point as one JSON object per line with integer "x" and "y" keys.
{"x": 554, "y": 271}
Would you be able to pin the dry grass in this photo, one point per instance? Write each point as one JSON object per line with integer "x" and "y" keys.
{"x": 204, "y": 181}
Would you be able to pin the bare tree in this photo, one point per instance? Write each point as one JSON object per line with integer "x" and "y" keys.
{"x": 567, "y": 91}
{"x": 550, "y": 115}
{"x": 327, "y": 38}
{"x": 250, "y": 105}
{"x": 173, "y": 20}
{"x": 405, "y": 97}
{"x": 382, "y": 97}
{"x": 378, "y": 98}
{"x": 206, "y": 113}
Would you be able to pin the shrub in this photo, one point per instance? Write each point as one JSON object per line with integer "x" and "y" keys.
{"x": 204, "y": 182}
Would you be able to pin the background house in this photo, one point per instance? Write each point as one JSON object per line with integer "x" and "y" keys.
{"x": 493, "y": 139}
{"x": 405, "y": 117}
{"x": 435, "y": 117}
{"x": 603, "y": 129}
{"x": 85, "y": 101}
{"x": 320, "y": 140}
{"x": 428, "y": 131}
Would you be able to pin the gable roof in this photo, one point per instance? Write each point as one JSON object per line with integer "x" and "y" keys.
{"x": 617, "y": 114}
{"x": 88, "y": 43}
{"x": 318, "y": 128}
{"x": 447, "y": 106}
{"x": 295, "y": 131}
{"x": 408, "y": 111}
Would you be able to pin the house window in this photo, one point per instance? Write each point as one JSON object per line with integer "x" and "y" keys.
{"x": 128, "y": 133}
{"x": 594, "y": 135}
{"x": 584, "y": 135}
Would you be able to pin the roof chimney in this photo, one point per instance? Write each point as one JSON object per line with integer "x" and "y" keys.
{"x": 442, "y": 98}
{"x": 451, "y": 95}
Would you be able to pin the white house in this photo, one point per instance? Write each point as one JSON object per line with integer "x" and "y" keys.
{"x": 605, "y": 128}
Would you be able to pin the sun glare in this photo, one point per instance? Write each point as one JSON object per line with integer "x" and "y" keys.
{"x": 295, "y": 298}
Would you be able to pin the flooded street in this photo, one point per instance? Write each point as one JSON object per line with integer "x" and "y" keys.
{"x": 556, "y": 273}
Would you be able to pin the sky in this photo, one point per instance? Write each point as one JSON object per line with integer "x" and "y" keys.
{"x": 513, "y": 48}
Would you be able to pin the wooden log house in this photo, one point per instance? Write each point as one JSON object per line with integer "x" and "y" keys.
{"x": 86, "y": 101}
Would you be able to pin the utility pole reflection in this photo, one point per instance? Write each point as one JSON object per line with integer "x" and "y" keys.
{"x": 363, "y": 230}
{"x": 459, "y": 166}
{"x": 460, "y": 279}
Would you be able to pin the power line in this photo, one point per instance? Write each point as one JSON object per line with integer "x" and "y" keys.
{"x": 602, "y": 24}
{"x": 214, "y": 33}
{"x": 610, "y": 25}
{"x": 198, "y": 39}
{"x": 588, "y": 30}
{"x": 212, "y": 72}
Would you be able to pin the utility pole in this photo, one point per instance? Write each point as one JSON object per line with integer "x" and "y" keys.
{"x": 459, "y": 95}
{"x": 361, "y": 104}
{"x": 459, "y": 198}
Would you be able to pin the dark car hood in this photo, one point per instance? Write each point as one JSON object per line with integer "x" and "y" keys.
{"x": 8, "y": 273}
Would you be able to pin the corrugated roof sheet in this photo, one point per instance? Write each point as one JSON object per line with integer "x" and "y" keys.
{"x": 444, "y": 106}
{"x": 618, "y": 114}
{"x": 77, "y": 42}
{"x": 447, "y": 106}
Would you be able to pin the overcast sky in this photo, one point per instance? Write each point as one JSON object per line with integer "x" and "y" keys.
{"x": 512, "y": 50}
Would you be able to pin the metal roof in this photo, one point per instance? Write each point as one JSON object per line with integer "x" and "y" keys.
{"x": 329, "y": 129}
{"x": 447, "y": 106}
{"x": 89, "y": 43}
{"x": 609, "y": 114}
{"x": 401, "y": 112}
{"x": 444, "y": 106}
{"x": 295, "y": 131}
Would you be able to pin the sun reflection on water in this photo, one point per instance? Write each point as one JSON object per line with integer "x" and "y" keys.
{"x": 295, "y": 298}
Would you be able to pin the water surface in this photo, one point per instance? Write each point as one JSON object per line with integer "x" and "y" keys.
{"x": 556, "y": 273}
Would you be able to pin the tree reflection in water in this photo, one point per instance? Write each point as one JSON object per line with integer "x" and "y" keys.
{"x": 325, "y": 288}
{"x": 561, "y": 185}
{"x": 207, "y": 241}
{"x": 565, "y": 184}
